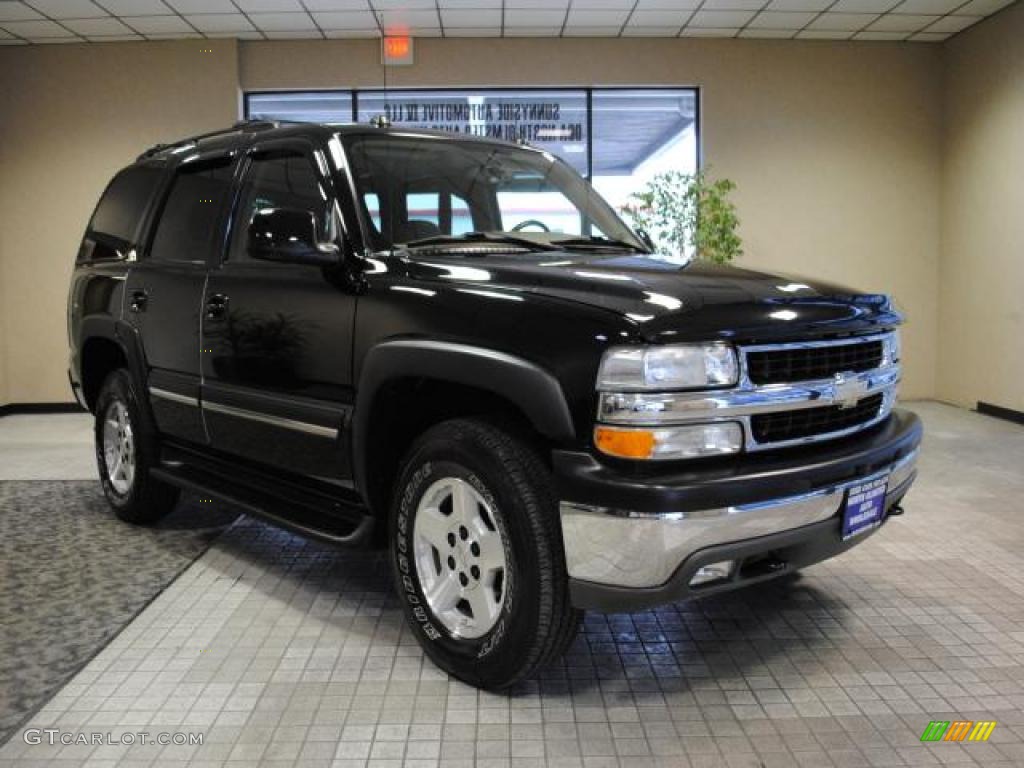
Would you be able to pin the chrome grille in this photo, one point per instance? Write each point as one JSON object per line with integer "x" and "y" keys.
{"x": 784, "y": 426}
{"x": 780, "y": 366}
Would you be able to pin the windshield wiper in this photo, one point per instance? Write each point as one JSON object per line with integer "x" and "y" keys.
{"x": 481, "y": 237}
{"x": 597, "y": 241}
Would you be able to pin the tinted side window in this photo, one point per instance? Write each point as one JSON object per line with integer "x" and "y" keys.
{"x": 188, "y": 220}
{"x": 119, "y": 212}
{"x": 279, "y": 180}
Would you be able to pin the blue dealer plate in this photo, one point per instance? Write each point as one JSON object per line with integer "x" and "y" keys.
{"x": 864, "y": 507}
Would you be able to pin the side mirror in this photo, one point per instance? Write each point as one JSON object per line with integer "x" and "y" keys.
{"x": 289, "y": 235}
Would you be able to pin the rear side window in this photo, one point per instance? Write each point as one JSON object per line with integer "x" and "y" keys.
{"x": 188, "y": 220}
{"x": 119, "y": 212}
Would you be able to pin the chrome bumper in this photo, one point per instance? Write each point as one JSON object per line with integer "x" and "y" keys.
{"x": 629, "y": 549}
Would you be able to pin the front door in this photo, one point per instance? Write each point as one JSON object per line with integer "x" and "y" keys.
{"x": 164, "y": 290}
{"x": 277, "y": 376}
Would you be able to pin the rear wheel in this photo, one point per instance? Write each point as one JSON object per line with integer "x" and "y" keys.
{"x": 477, "y": 554}
{"x": 126, "y": 448}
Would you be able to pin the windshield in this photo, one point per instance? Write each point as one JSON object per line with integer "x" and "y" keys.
{"x": 417, "y": 190}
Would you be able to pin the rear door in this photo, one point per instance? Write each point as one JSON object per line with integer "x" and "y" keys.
{"x": 164, "y": 291}
{"x": 277, "y": 356}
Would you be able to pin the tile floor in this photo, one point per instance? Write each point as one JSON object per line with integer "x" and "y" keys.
{"x": 282, "y": 652}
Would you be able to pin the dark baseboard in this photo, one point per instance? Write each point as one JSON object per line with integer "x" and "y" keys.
{"x": 1001, "y": 413}
{"x": 16, "y": 408}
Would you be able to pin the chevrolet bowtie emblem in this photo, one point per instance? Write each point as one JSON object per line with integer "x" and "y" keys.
{"x": 847, "y": 390}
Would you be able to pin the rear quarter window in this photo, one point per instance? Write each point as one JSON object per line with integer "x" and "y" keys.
{"x": 115, "y": 222}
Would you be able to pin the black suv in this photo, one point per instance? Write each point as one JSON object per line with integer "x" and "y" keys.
{"x": 453, "y": 347}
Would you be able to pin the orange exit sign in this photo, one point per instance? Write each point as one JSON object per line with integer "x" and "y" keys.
{"x": 396, "y": 50}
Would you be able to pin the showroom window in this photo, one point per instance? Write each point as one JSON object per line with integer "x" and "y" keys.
{"x": 617, "y": 137}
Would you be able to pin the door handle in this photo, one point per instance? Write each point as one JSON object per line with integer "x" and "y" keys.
{"x": 217, "y": 307}
{"x": 138, "y": 301}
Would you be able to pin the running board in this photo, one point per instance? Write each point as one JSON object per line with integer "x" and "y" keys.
{"x": 339, "y": 523}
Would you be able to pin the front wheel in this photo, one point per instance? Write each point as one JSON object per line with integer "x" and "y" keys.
{"x": 476, "y": 548}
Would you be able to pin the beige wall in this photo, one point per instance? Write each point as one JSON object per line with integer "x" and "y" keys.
{"x": 835, "y": 147}
{"x": 72, "y": 115}
{"x": 981, "y": 355}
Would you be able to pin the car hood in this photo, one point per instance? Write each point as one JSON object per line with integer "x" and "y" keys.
{"x": 669, "y": 301}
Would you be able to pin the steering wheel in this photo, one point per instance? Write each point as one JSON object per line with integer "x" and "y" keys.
{"x": 531, "y": 223}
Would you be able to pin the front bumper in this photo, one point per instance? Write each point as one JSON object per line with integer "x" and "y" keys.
{"x": 632, "y": 542}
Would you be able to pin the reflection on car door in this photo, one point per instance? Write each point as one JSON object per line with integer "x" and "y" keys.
{"x": 164, "y": 290}
{"x": 277, "y": 379}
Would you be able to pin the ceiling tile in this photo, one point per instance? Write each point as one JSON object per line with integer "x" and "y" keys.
{"x": 471, "y": 18}
{"x": 181, "y": 36}
{"x": 822, "y": 34}
{"x": 897, "y": 22}
{"x": 269, "y": 6}
{"x": 294, "y": 34}
{"x": 402, "y": 19}
{"x": 781, "y": 20}
{"x": 95, "y": 27}
{"x": 842, "y": 22}
{"x": 114, "y": 38}
{"x": 251, "y": 34}
{"x": 880, "y": 35}
{"x": 950, "y": 24}
{"x": 403, "y": 5}
{"x": 478, "y": 4}
{"x": 720, "y": 19}
{"x": 136, "y": 7}
{"x": 667, "y": 5}
{"x": 69, "y": 9}
{"x": 784, "y": 34}
{"x": 55, "y": 40}
{"x": 15, "y": 11}
{"x": 11, "y": 41}
{"x": 585, "y": 17}
{"x": 39, "y": 28}
{"x": 336, "y": 5}
{"x": 157, "y": 25}
{"x": 5, "y": 35}
{"x": 929, "y": 37}
{"x": 202, "y": 6}
{"x": 346, "y": 20}
{"x": 799, "y": 5}
{"x": 282, "y": 22}
{"x": 518, "y": 17}
{"x": 532, "y": 31}
{"x": 983, "y": 7}
{"x": 220, "y": 22}
{"x": 592, "y": 31}
{"x": 864, "y": 6}
{"x": 659, "y": 31}
{"x": 622, "y": 5}
{"x": 472, "y": 31}
{"x": 537, "y": 4}
{"x": 351, "y": 33}
{"x": 709, "y": 32}
{"x": 732, "y": 5}
{"x": 927, "y": 6}
{"x": 659, "y": 18}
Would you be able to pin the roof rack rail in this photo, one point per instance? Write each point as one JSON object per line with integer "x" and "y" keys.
{"x": 242, "y": 126}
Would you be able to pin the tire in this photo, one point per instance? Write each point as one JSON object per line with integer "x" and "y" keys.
{"x": 475, "y": 509}
{"x": 126, "y": 449}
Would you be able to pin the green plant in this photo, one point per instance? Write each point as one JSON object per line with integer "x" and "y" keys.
{"x": 688, "y": 213}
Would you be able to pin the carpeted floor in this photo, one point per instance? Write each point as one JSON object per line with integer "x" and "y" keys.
{"x": 72, "y": 576}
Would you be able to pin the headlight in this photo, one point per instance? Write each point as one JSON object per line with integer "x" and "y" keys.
{"x": 666, "y": 443}
{"x": 672, "y": 366}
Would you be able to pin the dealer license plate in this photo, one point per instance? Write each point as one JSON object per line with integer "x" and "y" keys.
{"x": 865, "y": 506}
